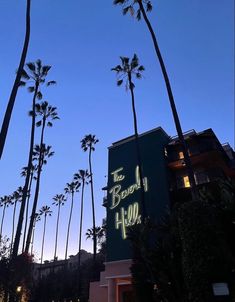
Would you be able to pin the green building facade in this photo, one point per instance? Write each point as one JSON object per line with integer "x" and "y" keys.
{"x": 123, "y": 191}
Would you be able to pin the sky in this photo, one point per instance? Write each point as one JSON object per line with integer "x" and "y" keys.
{"x": 82, "y": 41}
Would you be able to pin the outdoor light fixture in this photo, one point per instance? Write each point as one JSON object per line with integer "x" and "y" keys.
{"x": 18, "y": 289}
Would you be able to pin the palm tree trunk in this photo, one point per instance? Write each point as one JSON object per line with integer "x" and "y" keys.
{"x": 80, "y": 239}
{"x": 57, "y": 228}
{"x": 27, "y": 180}
{"x": 33, "y": 232}
{"x": 36, "y": 195}
{"x": 70, "y": 217}
{"x": 172, "y": 103}
{"x": 12, "y": 98}
{"x": 3, "y": 215}
{"x": 43, "y": 238}
{"x": 27, "y": 211}
{"x": 13, "y": 225}
{"x": 80, "y": 230}
{"x": 93, "y": 208}
{"x": 139, "y": 161}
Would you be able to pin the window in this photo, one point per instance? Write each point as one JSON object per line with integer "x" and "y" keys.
{"x": 186, "y": 182}
{"x": 182, "y": 182}
{"x": 181, "y": 155}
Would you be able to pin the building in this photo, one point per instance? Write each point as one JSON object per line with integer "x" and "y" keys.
{"x": 44, "y": 269}
{"x": 165, "y": 182}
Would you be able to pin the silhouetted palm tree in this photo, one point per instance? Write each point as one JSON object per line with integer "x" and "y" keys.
{"x": 32, "y": 177}
{"x": 37, "y": 218}
{"x": 128, "y": 6}
{"x": 15, "y": 198}
{"x": 40, "y": 155}
{"x": 99, "y": 232}
{"x": 33, "y": 73}
{"x": 5, "y": 201}
{"x": 44, "y": 211}
{"x": 16, "y": 84}
{"x": 83, "y": 177}
{"x": 48, "y": 114}
{"x": 59, "y": 201}
{"x": 70, "y": 188}
{"x": 126, "y": 71}
{"x": 87, "y": 144}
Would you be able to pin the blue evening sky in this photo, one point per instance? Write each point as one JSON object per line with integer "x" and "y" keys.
{"x": 83, "y": 40}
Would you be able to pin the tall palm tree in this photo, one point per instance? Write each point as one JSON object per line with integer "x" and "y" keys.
{"x": 44, "y": 211}
{"x": 40, "y": 154}
{"x": 126, "y": 71}
{"x": 33, "y": 73}
{"x": 32, "y": 177}
{"x": 99, "y": 231}
{"x": 15, "y": 198}
{"x": 37, "y": 218}
{"x": 84, "y": 177}
{"x": 143, "y": 7}
{"x": 16, "y": 84}
{"x": 70, "y": 188}
{"x": 47, "y": 114}
{"x": 87, "y": 144}
{"x": 59, "y": 201}
{"x": 5, "y": 201}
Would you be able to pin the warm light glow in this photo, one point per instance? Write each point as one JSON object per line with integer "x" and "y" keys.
{"x": 18, "y": 289}
{"x": 181, "y": 155}
{"x": 186, "y": 182}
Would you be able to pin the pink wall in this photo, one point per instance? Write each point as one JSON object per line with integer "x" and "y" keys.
{"x": 98, "y": 293}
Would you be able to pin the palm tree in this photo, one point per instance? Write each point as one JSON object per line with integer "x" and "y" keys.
{"x": 128, "y": 6}
{"x": 126, "y": 71}
{"x": 87, "y": 144}
{"x": 48, "y": 114}
{"x": 70, "y": 188}
{"x": 32, "y": 177}
{"x": 59, "y": 201}
{"x": 84, "y": 177}
{"x": 44, "y": 211}
{"x": 40, "y": 154}
{"x": 5, "y": 201}
{"x": 37, "y": 218}
{"x": 36, "y": 73}
{"x": 99, "y": 232}
{"x": 15, "y": 198}
{"x": 16, "y": 84}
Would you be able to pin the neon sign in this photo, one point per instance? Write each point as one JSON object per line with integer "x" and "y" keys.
{"x": 117, "y": 195}
{"x": 130, "y": 216}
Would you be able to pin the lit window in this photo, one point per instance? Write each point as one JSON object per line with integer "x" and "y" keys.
{"x": 181, "y": 155}
{"x": 186, "y": 182}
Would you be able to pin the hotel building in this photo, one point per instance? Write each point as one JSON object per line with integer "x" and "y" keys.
{"x": 165, "y": 182}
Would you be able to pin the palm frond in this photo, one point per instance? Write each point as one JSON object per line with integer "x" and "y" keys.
{"x": 31, "y": 66}
{"x": 39, "y": 95}
{"x": 119, "y": 82}
{"x": 31, "y": 89}
{"x": 22, "y": 84}
{"x": 149, "y": 6}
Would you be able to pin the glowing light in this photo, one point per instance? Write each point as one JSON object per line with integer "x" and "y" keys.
{"x": 126, "y": 218}
{"x": 181, "y": 155}
{"x": 186, "y": 182}
{"x": 117, "y": 195}
{"x": 117, "y": 177}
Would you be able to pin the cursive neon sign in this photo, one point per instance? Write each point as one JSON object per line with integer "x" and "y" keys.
{"x": 117, "y": 194}
{"x": 130, "y": 216}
